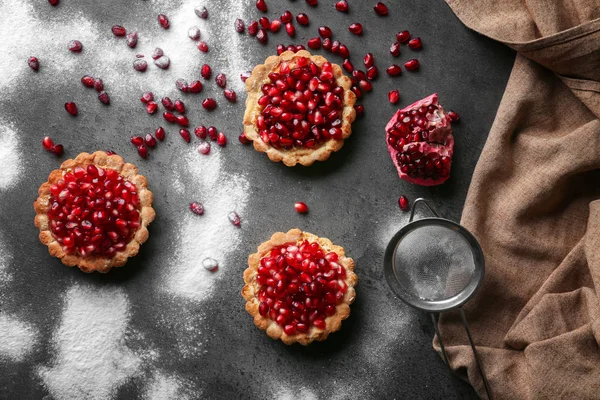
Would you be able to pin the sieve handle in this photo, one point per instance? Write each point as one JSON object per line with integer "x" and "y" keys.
{"x": 414, "y": 207}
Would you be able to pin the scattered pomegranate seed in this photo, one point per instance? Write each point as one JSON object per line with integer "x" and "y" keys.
{"x": 302, "y": 19}
{"x": 243, "y": 139}
{"x": 201, "y": 12}
{"x": 137, "y": 140}
{"x": 47, "y": 143}
{"x": 204, "y": 148}
{"x": 185, "y": 134}
{"x": 71, "y": 108}
{"x": 33, "y": 63}
{"x": 275, "y": 26}
{"x": 365, "y": 85}
{"x": 394, "y": 70}
{"x": 453, "y": 115}
{"x": 194, "y": 33}
{"x": 195, "y": 87}
{"x": 151, "y": 107}
{"x": 280, "y": 49}
{"x": 206, "y": 71}
{"x": 356, "y": 28}
{"x": 75, "y": 46}
{"x": 360, "y": 75}
{"x": 162, "y": 62}
{"x": 393, "y": 96}
{"x": 342, "y": 6}
{"x": 264, "y": 22}
{"x": 221, "y": 80}
{"x": 286, "y": 17}
{"x": 343, "y": 51}
{"x": 150, "y": 140}
{"x": 53, "y": 2}
{"x": 212, "y": 132}
{"x": 327, "y": 43}
{"x": 118, "y": 30}
{"x": 290, "y": 29}
{"x": 312, "y": 3}
{"x": 403, "y": 203}
{"x": 200, "y": 132}
{"x": 239, "y": 25}
{"x": 160, "y": 133}
{"x": 372, "y": 73}
{"x": 182, "y": 85}
{"x": 403, "y": 36}
{"x": 87, "y": 81}
{"x": 179, "y": 106}
{"x": 381, "y": 9}
{"x": 98, "y": 85}
{"x": 395, "y": 49}
{"x": 169, "y": 117}
{"x": 132, "y": 39}
{"x": 203, "y": 47}
{"x": 412, "y": 65}
{"x": 182, "y": 120}
{"x": 335, "y": 47}
{"x": 58, "y": 150}
{"x": 197, "y": 208}
{"x": 347, "y": 65}
{"x": 230, "y": 95}
{"x": 301, "y": 207}
{"x": 325, "y": 32}
{"x": 163, "y": 21}
{"x": 142, "y": 151}
{"x": 167, "y": 103}
{"x": 221, "y": 139}
{"x": 157, "y": 53}
{"x": 234, "y": 218}
{"x": 261, "y": 5}
{"x": 210, "y": 265}
{"x": 314, "y": 43}
{"x": 415, "y": 43}
{"x": 146, "y": 97}
{"x": 356, "y": 91}
{"x": 360, "y": 110}
{"x": 253, "y": 28}
{"x": 140, "y": 65}
{"x": 209, "y": 104}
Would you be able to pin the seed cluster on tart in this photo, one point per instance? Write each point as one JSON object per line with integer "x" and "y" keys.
{"x": 93, "y": 211}
{"x": 299, "y": 287}
{"x": 299, "y": 108}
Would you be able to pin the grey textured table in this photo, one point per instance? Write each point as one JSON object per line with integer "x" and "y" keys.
{"x": 384, "y": 348}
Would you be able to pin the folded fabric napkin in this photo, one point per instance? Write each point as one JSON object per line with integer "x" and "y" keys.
{"x": 533, "y": 205}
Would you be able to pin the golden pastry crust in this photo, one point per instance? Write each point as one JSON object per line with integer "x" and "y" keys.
{"x": 251, "y": 288}
{"x": 95, "y": 263}
{"x": 293, "y": 156}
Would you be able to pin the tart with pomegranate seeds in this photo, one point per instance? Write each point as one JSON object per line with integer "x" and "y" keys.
{"x": 299, "y": 287}
{"x": 93, "y": 212}
{"x": 299, "y": 108}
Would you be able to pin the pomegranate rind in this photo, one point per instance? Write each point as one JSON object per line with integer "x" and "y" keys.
{"x": 295, "y": 155}
{"x": 252, "y": 288}
{"x": 95, "y": 263}
{"x": 440, "y": 140}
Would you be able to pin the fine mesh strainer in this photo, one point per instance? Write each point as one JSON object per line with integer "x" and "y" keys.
{"x": 435, "y": 265}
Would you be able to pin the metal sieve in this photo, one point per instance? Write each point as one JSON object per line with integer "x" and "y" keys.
{"x": 435, "y": 265}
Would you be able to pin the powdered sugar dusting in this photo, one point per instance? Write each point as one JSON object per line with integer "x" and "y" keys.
{"x": 166, "y": 387}
{"x": 5, "y": 260}
{"x": 10, "y": 154}
{"x": 294, "y": 393}
{"x": 18, "y": 338}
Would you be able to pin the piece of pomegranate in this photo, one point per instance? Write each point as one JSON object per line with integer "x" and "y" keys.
{"x": 243, "y": 139}
{"x": 87, "y": 81}
{"x": 234, "y": 218}
{"x": 286, "y": 17}
{"x": 194, "y": 33}
{"x": 403, "y": 203}
{"x": 394, "y": 70}
{"x": 104, "y": 98}
{"x": 381, "y": 9}
{"x": 201, "y": 12}
{"x": 195, "y": 87}
{"x": 261, "y": 5}
{"x": 151, "y": 107}
{"x": 209, "y": 104}
{"x": 33, "y": 63}
{"x": 221, "y": 80}
{"x": 230, "y": 95}
{"x": 157, "y": 53}
{"x": 369, "y": 60}
{"x": 118, "y": 30}
{"x": 420, "y": 142}
{"x": 212, "y": 132}
{"x": 163, "y": 21}
{"x": 393, "y": 96}
{"x": 185, "y": 134}
{"x": 140, "y": 65}
{"x": 48, "y": 143}
{"x": 221, "y": 139}
{"x": 160, "y": 133}
{"x": 162, "y": 62}
{"x": 132, "y": 39}
{"x": 412, "y": 65}
{"x": 239, "y": 25}
{"x": 179, "y": 106}
{"x": 356, "y": 28}
{"x": 75, "y": 46}
{"x": 360, "y": 110}
{"x": 314, "y": 43}
{"x": 146, "y": 97}
{"x": 149, "y": 140}
{"x": 325, "y": 32}
{"x": 197, "y": 208}
{"x": 395, "y": 49}
{"x": 312, "y": 3}
{"x": 415, "y": 43}
{"x": 210, "y": 264}
{"x": 58, "y": 150}
{"x": 290, "y": 29}
{"x": 204, "y": 148}
{"x": 342, "y": 6}
{"x": 71, "y": 108}
{"x": 302, "y": 19}
{"x": 403, "y": 36}
{"x": 301, "y": 207}
{"x": 203, "y": 47}
{"x": 168, "y": 103}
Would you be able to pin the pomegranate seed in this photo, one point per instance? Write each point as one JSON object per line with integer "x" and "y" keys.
{"x": 264, "y": 22}
{"x": 372, "y": 73}
{"x": 325, "y": 32}
{"x": 253, "y": 28}
{"x": 358, "y": 74}
{"x": 360, "y": 110}
{"x": 169, "y": 117}
{"x": 204, "y": 148}
{"x": 75, "y": 46}
{"x": 327, "y": 44}
{"x": 312, "y": 3}
{"x": 221, "y": 80}
{"x": 453, "y": 116}
{"x": 290, "y": 329}
{"x": 160, "y": 133}
{"x": 403, "y": 203}
{"x": 415, "y": 43}
{"x": 301, "y": 207}
{"x": 347, "y": 65}
{"x": 290, "y": 29}
{"x": 239, "y": 25}
{"x": 140, "y": 65}
{"x": 412, "y": 65}
{"x": 33, "y": 63}
{"x": 47, "y": 143}
{"x": 210, "y": 265}
{"x": 139, "y": 56}
{"x": 142, "y": 151}
{"x": 182, "y": 120}
{"x": 403, "y": 36}
{"x": 194, "y": 33}
{"x": 71, "y": 108}
{"x": 234, "y": 218}
{"x": 212, "y": 132}
{"x": 137, "y": 140}
{"x": 200, "y": 132}
{"x": 157, "y": 53}
{"x": 162, "y": 62}
{"x": 314, "y": 43}
{"x": 182, "y": 85}
{"x": 381, "y": 9}
{"x": 195, "y": 87}
{"x": 335, "y": 47}
{"x": 110, "y": 153}
{"x": 203, "y": 47}
{"x": 132, "y": 40}
{"x": 395, "y": 49}
{"x": 356, "y": 28}
{"x": 209, "y": 104}
{"x": 394, "y": 70}
{"x": 58, "y": 150}
{"x": 98, "y": 85}
{"x": 167, "y": 103}
{"x": 185, "y": 134}
{"x": 118, "y": 30}
{"x": 206, "y": 71}
{"x": 197, "y": 208}
{"x": 221, "y": 139}
{"x": 163, "y": 21}
{"x": 230, "y": 95}
{"x": 201, "y": 12}
{"x": 343, "y": 51}
{"x": 151, "y": 107}
{"x": 365, "y": 85}
{"x": 243, "y": 139}
{"x": 302, "y": 19}
{"x": 179, "y": 106}
{"x": 393, "y": 96}
{"x": 87, "y": 81}
{"x": 356, "y": 91}
{"x": 53, "y": 2}
{"x": 146, "y": 97}
{"x": 261, "y": 5}
{"x": 342, "y": 6}
{"x": 286, "y": 17}
{"x": 275, "y": 26}
{"x": 369, "y": 60}
{"x": 150, "y": 140}
{"x": 280, "y": 49}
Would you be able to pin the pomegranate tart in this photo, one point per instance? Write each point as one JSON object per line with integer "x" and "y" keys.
{"x": 93, "y": 212}
{"x": 299, "y": 287}
{"x": 299, "y": 108}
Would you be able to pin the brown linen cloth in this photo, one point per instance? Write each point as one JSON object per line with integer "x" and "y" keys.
{"x": 533, "y": 207}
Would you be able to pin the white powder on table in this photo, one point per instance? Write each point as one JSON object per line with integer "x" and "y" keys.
{"x": 5, "y": 260}
{"x": 10, "y": 154}
{"x": 164, "y": 387}
{"x": 17, "y": 338}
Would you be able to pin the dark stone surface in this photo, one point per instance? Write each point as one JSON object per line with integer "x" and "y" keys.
{"x": 352, "y": 199}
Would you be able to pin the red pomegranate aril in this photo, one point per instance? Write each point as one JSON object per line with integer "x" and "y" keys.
{"x": 327, "y": 43}
{"x": 302, "y": 19}
{"x": 290, "y": 29}
{"x": 87, "y": 81}
{"x": 142, "y": 151}
{"x": 325, "y": 32}
{"x": 262, "y": 36}
{"x": 356, "y": 28}
{"x": 381, "y": 9}
{"x": 253, "y": 28}
{"x": 58, "y": 150}
{"x": 403, "y": 36}
{"x": 453, "y": 115}
{"x": 210, "y": 264}
{"x": 118, "y": 30}
{"x": 221, "y": 80}
{"x": 212, "y": 132}
{"x": 234, "y": 218}
{"x": 137, "y": 140}
{"x": 204, "y": 148}
{"x": 75, "y": 46}
{"x": 140, "y": 65}
{"x": 412, "y": 65}
{"x": 168, "y": 103}
{"x": 347, "y": 65}
{"x": 132, "y": 39}
{"x": 151, "y": 107}
{"x": 360, "y": 110}
{"x": 312, "y": 3}
{"x": 290, "y": 329}
{"x": 185, "y": 134}
{"x": 314, "y": 43}
{"x": 179, "y": 106}
{"x": 395, "y": 49}
{"x": 194, "y": 33}
{"x": 169, "y": 117}
{"x": 150, "y": 140}
{"x": 239, "y": 25}
{"x": 98, "y": 85}
{"x": 146, "y": 97}
{"x": 342, "y": 6}
{"x": 356, "y": 90}
{"x": 221, "y": 139}
{"x": 393, "y": 96}
{"x": 230, "y": 95}
{"x": 197, "y": 208}
{"x": 182, "y": 120}
{"x": 365, "y": 85}
{"x": 209, "y": 104}
{"x": 275, "y": 26}
{"x": 394, "y": 70}
{"x": 33, "y": 63}
{"x": 200, "y": 132}
{"x": 71, "y": 108}
{"x": 358, "y": 74}
{"x": 201, "y": 12}
{"x": 301, "y": 207}
{"x": 182, "y": 85}
{"x": 335, "y": 47}
{"x": 162, "y": 62}
{"x": 243, "y": 139}
{"x": 195, "y": 87}
{"x": 415, "y": 43}
{"x": 160, "y": 133}
{"x": 53, "y": 2}
{"x": 261, "y": 5}
{"x": 372, "y": 73}
{"x": 206, "y": 71}
{"x": 157, "y": 53}
{"x": 280, "y": 49}
{"x": 264, "y": 22}
{"x": 47, "y": 143}
{"x": 369, "y": 60}
{"x": 203, "y": 47}
{"x": 403, "y": 203}
{"x": 163, "y": 21}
